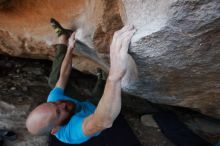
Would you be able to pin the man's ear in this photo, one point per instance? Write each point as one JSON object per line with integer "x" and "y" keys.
{"x": 54, "y": 130}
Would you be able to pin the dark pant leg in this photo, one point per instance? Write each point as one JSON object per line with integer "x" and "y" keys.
{"x": 97, "y": 91}
{"x": 177, "y": 131}
{"x": 57, "y": 62}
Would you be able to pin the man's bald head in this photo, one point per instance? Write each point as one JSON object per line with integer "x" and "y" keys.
{"x": 42, "y": 119}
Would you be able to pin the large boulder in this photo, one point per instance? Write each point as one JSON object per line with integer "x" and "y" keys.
{"x": 176, "y": 46}
{"x": 176, "y": 50}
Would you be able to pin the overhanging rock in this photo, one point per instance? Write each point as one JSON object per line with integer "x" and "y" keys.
{"x": 176, "y": 47}
{"x": 177, "y": 53}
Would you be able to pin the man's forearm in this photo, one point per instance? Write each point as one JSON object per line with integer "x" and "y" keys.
{"x": 110, "y": 104}
{"x": 65, "y": 68}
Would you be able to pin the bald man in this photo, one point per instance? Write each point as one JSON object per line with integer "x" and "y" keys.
{"x": 75, "y": 122}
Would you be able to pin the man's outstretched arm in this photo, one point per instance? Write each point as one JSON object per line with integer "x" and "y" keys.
{"x": 66, "y": 66}
{"x": 109, "y": 106}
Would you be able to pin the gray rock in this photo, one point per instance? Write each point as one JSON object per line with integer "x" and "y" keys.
{"x": 24, "y": 88}
{"x": 34, "y": 70}
{"x": 176, "y": 51}
{"x": 147, "y": 120}
{"x": 13, "y": 88}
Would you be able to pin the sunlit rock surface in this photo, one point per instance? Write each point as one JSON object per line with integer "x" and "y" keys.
{"x": 176, "y": 47}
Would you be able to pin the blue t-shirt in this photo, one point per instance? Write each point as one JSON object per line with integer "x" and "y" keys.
{"x": 72, "y": 132}
{"x": 218, "y": 143}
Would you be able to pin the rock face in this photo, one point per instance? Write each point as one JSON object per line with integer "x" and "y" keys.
{"x": 176, "y": 47}
{"x": 177, "y": 52}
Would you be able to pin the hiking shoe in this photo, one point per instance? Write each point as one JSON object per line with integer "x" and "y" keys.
{"x": 59, "y": 29}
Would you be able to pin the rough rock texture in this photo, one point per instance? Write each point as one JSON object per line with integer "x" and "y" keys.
{"x": 176, "y": 47}
{"x": 23, "y": 86}
{"x": 25, "y": 30}
{"x": 178, "y": 58}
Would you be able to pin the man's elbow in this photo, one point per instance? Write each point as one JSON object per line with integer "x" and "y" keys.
{"x": 102, "y": 122}
{"x": 105, "y": 124}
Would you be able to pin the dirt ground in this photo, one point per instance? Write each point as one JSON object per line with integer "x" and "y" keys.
{"x": 23, "y": 84}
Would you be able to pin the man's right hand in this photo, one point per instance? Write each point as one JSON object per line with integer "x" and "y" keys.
{"x": 119, "y": 52}
{"x": 109, "y": 105}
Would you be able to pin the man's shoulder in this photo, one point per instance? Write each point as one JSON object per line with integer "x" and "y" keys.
{"x": 72, "y": 132}
{"x": 84, "y": 110}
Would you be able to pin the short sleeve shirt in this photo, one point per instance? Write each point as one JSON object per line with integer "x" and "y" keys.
{"x": 72, "y": 132}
